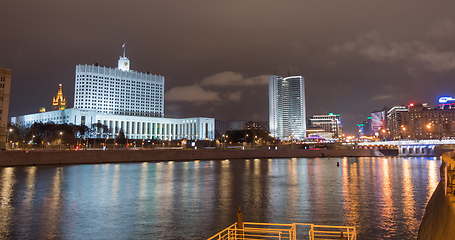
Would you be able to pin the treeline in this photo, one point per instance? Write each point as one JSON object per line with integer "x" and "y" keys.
{"x": 47, "y": 134}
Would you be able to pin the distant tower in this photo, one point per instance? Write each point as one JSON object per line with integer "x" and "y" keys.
{"x": 59, "y": 101}
{"x": 287, "y": 118}
{"x": 5, "y": 90}
{"x": 123, "y": 61}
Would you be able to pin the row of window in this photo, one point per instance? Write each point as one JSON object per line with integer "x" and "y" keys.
{"x": 185, "y": 129}
{"x": 116, "y": 80}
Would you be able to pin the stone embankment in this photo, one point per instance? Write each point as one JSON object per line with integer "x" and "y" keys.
{"x": 438, "y": 223}
{"x": 24, "y": 158}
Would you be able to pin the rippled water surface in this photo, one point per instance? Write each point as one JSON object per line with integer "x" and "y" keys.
{"x": 384, "y": 197}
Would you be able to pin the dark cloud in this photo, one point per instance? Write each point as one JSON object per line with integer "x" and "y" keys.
{"x": 350, "y": 52}
{"x": 218, "y": 88}
{"x": 421, "y": 54}
{"x": 228, "y": 79}
{"x": 192, "y": 93}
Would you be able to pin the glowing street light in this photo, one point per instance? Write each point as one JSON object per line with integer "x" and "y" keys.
{"x": 10, "y": 130}
{"x": 61, "y": 140}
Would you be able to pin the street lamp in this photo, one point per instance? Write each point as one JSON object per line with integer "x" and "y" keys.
{"x": 10, "y": 130}
{"x": 403, "y": 129}
{"x": 429, "y": 127}
{"x": 61, "y": 140}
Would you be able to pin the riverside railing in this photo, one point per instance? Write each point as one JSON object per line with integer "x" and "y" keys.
{"x": 280, "y": 231}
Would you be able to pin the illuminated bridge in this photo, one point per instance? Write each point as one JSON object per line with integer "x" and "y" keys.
{"x": 414, "y": 147}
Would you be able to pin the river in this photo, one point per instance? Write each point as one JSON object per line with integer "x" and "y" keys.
{"x": 384, "y": 198}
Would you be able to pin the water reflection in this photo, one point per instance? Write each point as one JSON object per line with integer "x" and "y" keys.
{"x": 351, "y": 196}
{"x": 6, "y": 207}
{"x": 52, "y": 207}
{"x": 383, "y": 197}
{"x": 408, "y": 196}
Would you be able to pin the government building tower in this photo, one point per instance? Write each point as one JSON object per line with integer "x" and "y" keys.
{"x": 287, "y": 118}
{"x": 121, "y": 99}
{"x": 119, "y": 90}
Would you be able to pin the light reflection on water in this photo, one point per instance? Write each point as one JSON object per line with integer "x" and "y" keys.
{"x": 384, "y": 197}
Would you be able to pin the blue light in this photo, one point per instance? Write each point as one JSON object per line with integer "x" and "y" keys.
{"x": 446, "y": 99}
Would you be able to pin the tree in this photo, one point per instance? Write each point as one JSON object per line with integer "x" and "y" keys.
{"x": 121, "y": 139}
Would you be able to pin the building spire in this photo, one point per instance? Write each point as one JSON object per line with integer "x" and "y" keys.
{"x": 59, "y": 101}
{"x": 124, "y": 62}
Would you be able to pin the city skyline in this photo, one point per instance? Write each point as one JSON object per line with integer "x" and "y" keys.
{"x": 393, "y": 56}
{"x": 227, "y": 120}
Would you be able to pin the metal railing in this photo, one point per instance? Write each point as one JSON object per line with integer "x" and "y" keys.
{"x": 292, "y": 231}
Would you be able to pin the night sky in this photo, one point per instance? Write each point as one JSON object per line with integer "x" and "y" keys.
{"x": 356, "y": 56}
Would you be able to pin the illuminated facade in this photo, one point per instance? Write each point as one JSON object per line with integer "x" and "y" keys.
{"x": 396, "y": 122}
{"x": 5, "y": 89}
{"x": 59, "y": 101}
{"x": 446, "y": 102}
{"x": 134, "y": 127}
{"x": 428, "y": 123}
{"x": 119, "y": 90}
{"x": 119, "y": 99}
{"x": 377, "y": 122}
{"x": 330, "y": 123}
{"x": 287, "y": 107}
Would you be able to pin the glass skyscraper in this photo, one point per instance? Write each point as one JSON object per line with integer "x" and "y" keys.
{"x": 287, "y": 107}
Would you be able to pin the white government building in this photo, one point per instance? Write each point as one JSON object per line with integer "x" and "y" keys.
{"x": 122, "y": 99}
{"x": 287, "y": 118}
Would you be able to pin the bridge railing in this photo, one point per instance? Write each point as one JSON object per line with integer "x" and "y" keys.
{"x": 292, "y": 231}
{"x": 409, "y": 142}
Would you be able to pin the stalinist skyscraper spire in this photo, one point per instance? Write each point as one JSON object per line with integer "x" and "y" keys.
{"x": 59, "y": 101}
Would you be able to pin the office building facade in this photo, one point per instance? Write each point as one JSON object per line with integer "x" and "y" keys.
{"x": 287, "y": 119}
{"x": 5, "y": 90}
{"x": 330, "y": 123}
{"x": 396, "y": 121}
{"x": 119, "y": 90}
{"x": 430, "y": 123}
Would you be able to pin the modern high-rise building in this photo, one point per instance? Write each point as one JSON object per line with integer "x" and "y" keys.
{"x": 287, "y": 107}
{"x": 396, "y": 121}
{"x": 377, "y": 121}
{"x": 5, "y": 89}
{"x": 330, "y": 123}
{"x": 119, "y": 90}
{"x": 424, "y": 122}
{"x": 122, "y": 100}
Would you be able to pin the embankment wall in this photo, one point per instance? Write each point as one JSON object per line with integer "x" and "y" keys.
{"x": 23, "y": 158}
